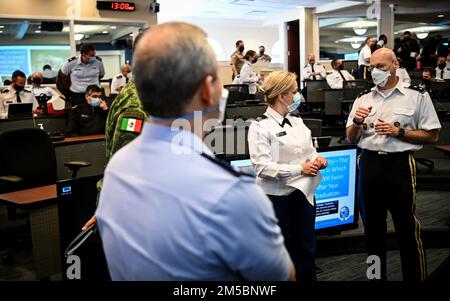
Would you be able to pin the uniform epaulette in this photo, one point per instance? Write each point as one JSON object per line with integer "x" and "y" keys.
{"x": 72, "y": 58}
{"x": 226, "y": 166}
{"x": 74, "y": 107}
{"x": 261, "y": 118}
{"x": 305, "y": 66}
{"x": 364, "y": 92}
{"x": 5, "y": 91}
{"x": 417, "y": 88}
{"x": 25, "y": 90}
{"x": 98, "y": 58}
{"x": 119, "y": 76}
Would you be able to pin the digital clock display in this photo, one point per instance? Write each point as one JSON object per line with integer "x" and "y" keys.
{"x": 117, "y": 6}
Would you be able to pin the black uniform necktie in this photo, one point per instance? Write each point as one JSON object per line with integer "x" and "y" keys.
{"x": 342, "y": 75}
{"x": 312, "y": 70}
{"x": 18, "y": 97}
{"x": 286, "y": 121}
{"x": 442, "y": 74}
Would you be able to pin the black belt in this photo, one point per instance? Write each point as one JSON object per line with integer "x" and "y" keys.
{"x": 383, "y": 153}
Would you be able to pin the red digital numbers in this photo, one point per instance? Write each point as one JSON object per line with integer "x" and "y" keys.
{"x": 122, "y": 6}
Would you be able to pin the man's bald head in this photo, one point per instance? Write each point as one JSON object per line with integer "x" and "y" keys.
{"x": 170, "y": 63}
{"x": 383, "y": 57}
{"x": 311, "y": 58}
{"x": 125, "y": 69}
{"x": 37, "y": 74}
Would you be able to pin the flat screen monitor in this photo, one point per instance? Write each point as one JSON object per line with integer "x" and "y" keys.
{"x": 336, "y": 194}
{"x": 20, "y": 110}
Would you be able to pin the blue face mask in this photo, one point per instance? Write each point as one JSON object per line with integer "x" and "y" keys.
{"x": 293, "y": 106}
{"x": 91, "y": 60}
{"x": 95, "y": 102}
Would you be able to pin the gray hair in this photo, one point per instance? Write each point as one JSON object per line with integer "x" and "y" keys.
{"x": 170, "y": 63}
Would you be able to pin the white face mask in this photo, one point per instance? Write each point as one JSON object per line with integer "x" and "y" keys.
{"x": 129, "y": 75}
{"x": 380, "y": 77}
{"x": 222, "y": 105}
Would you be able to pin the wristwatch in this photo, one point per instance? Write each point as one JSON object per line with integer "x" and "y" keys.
{"x": 401, "y": 132}
{"x": 357, "y": 123}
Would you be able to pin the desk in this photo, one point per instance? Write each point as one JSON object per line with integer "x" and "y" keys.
{"x": 43, "y": 209}
{"x": 443, "y": 148}
{"x": 82, "y": 148}
{"x": 50, "y": 123}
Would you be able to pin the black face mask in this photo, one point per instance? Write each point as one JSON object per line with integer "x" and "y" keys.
{"x": 37, "y": 80}
{"x": 426, "y": 82}
{"x": 18, "y": 88}
{"x": 241, "y": 49}
{"x": 254, "y": 60}
{"x": 341, "y": 67}
{"x": 442, "y": 65}
{"x": 261, "y": 52}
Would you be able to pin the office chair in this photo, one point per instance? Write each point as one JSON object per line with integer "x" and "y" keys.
{"x": 315, "y": 125}
{"x": 27, "y": 160}
{"x": 237, "y": 88}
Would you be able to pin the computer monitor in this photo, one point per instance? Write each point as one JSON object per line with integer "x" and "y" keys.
{"x": 245, "y": 111}
{"x": 336, "y": 194}
{"x": 352, "y": 88}
{"x": 244, "y": 165}
{"x": 77, "y": 200}
{"x": 314, "y": 91}
{"x": 20, "y": 110}
{"x": 440, "y": 90}
{"x": 350, "y": 65}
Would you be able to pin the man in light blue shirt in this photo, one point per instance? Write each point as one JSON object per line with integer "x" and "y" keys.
{"x": 84, "y": 71}
{"x": 168, "y": 209}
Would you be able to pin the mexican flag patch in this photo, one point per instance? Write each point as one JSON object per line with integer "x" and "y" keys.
{"x": 131, "y": 125}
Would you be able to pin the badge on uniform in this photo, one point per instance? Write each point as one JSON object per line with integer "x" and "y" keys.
{"x": 131, "y": 125}
{"x": 280, "y": 134}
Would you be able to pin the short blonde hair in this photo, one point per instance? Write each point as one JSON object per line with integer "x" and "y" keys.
{"x": 277, "y": 83}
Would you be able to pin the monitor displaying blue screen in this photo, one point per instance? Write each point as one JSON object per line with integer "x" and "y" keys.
{"x": 335, "y": 196}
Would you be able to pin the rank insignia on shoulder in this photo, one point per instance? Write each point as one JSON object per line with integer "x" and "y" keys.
{"x": 261, "y": 118}
{"x": 281, "y": 134}
{"x": 417, "y": 88}
{"x": 71, "y": 59}
{"x": 364, "y": 92}
{"x": 119, "y": 76}
{"x": 133, "y": 125}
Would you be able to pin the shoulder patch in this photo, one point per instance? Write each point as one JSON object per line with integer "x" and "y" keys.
{"x": 72, "y": 58}
{"x": 261, "y": 118}
{"x": 226, "y": 166}
{"x": 74, "y": 107}
{"x": 417, "y": 88}
{"x": 364, "y": 92}
{"x": 131, "y": 124}
{"x": 28, "y": 91}
{"x": 119, "y": 76}
{"x": 5, "y": 91}
{"x": 98, "y": 58}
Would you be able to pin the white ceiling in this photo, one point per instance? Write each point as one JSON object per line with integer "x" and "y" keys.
{"x": 233, "y": 9}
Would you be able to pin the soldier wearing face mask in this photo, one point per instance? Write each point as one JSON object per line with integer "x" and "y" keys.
{"x": 237, "y": 59}
{"x": 121, "y": 79}
{"x": 390, "y": 122}
{"x": 46, "y": 95}
{"x": 85, "y": 70}
{"x": 88, "y": 118}
{"x": 262, "y": 56}
{"x": 441, "y": 70}
{"x": 16, "y": 93}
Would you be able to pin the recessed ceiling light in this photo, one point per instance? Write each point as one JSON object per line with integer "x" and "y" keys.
{"x": 37, "y": 31}
{"x": 441, "y": 16}
{"x": 113, "y": 27}
{"x": 2, "y": 26}
{"x": 105, "y": 32}
{"x": 1, "y": 31}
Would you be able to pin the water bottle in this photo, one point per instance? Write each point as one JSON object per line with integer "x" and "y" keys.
{"x": 316, "y": 144}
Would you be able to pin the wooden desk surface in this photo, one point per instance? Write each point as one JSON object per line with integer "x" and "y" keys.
{"x": 78, "y": 139}
{"x": 443, "y": 148}
{"x": 30, "y": 196}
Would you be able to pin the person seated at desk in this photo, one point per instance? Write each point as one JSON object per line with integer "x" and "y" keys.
{"x": 428, "y": 75}
{"x": 313, "y": 71}
{"x": 89, "y": 117}
{"x": 54, "y": 105}
{"x": 16, "y": 93}
{"x": 336, "y": 78}
{"x": 121, "y": 79}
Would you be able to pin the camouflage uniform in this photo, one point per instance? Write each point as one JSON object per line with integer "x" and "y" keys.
{"x": 264, "y": 58}
{"x": 126, "y": 106}
{"x": 237, "y": 59}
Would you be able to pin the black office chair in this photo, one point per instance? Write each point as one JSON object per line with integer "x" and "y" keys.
{"x": 315, "y": 125}
{"x": 27, "y": 160}
{"x": 237, "y": 88}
